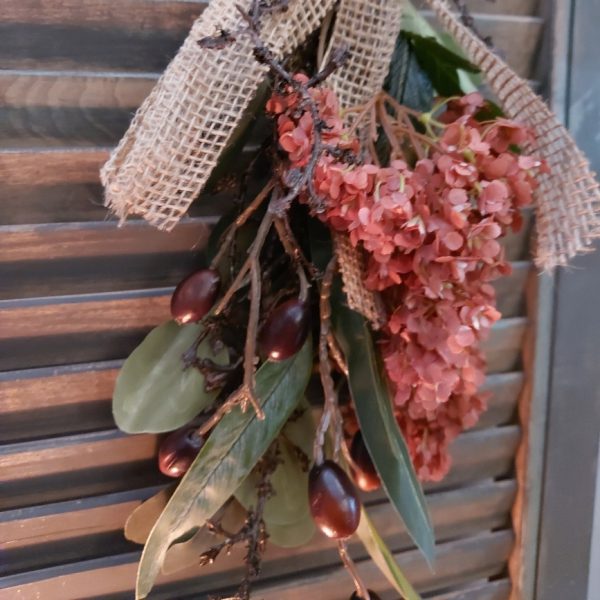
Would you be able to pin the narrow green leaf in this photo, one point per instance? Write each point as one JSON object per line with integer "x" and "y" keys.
{"x": 380, "y": 431}
{"x": 441, "y": 65}
{"x": 230, "y": 453}
{"x": 414, "y": 22}
{"x": 153, "y": 392}
{"x": 290, "y": 479}
{"x": 383, "y": 558}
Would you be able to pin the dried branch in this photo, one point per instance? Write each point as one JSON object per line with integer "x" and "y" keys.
{"x": 253, "y": 533}
{"x": 241, "y": 220}
{"x": 331, "y": 414}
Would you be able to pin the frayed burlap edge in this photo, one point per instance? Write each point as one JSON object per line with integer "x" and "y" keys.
{"x": 181, "y": 129}
{"x": 368, "y": 28}
{"x": 568, "y": 197}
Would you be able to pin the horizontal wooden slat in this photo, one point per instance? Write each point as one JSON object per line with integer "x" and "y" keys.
{"x": 456, "y": 561}
{"x": 83, "y": 240}
{"x": 489, "y": 590}
{"x": 154, "y": 14}
{"x": 51, "y": 167}
{"x": 36, "y": 537}
{"x": 81, "y": 465}
{"x": 502, "y": 349}
{"x": 499, "y": 7}
{"x": 135, "y": 256}
{"x": 77, "y": 398}
{"x": 114, "y": 45}
{"x": 108, "y": 326}
{"x": 75, "y": 466}
{"x": 67, "y": 108}
{"x": 516, "y": 36}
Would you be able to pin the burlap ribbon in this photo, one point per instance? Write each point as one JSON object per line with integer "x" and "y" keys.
{"x": 180, "y": 131}
{"x": 568, "y": 198}
{"x": 177, "y": 135}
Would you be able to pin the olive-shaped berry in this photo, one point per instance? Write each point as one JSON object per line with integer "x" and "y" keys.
{"x": 178, "y": 451}
{"x": 284, "y": 330}
{"x": 195, "y": 296}
{"x": 372, "y": 596}
{"x": 333, "y": 500}
{"x": 364, "y": 471}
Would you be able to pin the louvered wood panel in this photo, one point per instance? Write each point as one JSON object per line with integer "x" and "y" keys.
{"x": 77, "y": 294}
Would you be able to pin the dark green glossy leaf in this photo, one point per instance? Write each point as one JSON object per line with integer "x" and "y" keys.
{"x": 321, "y": 247}
{"x": 440, "y": 64}
{"x": 489, "y": 112}
{"x": 376, "y": 419}
{"x": 153, "y": 392}
{"x": 383, "y": 558}
{"x": 230, "y": 453}
{"x": 406, "y": 81}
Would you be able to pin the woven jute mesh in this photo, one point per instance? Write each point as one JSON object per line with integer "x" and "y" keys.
{"x": 568, "y": 198}
{"x": 179, "y": 132}
{"x": 368, "y": 28}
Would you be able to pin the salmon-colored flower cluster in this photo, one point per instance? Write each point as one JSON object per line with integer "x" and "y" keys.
{"x": 431, "y": 234}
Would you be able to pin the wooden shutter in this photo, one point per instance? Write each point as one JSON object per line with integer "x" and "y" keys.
{"x": 77, "y": 294}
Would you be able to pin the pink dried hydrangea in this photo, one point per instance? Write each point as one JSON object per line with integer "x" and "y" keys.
{"x": 431, "y": 234}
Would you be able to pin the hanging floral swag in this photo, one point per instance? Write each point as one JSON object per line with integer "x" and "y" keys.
{"x": 408, "y": 195}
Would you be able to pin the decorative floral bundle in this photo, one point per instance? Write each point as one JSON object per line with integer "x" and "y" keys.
{"x": 419, "y": 193}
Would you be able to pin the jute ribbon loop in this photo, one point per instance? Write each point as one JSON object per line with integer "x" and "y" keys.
{"x": 568, "y": 198}
{"x": 177, "y": 135}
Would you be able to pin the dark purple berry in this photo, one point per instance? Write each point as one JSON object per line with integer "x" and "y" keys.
{"x": 195, "y": 296}
{"x": 285, "y": 330}
{"x": 178, "y": 451}
{"x": 333, "y": 499}
{"x": 365, "y": 474}
{"x": 372, "y": 596}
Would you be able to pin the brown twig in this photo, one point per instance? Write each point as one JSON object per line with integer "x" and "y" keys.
{"x": 331, "y": 414}
{"x": 240, "y": 221}
{"x": 253, "y": 532}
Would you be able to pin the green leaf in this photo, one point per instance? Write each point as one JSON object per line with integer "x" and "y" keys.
{"x": 229, "y": 454}
{"x": 440, "y": 64}
{"x": 185, "y": 555}
{"x": 289, "y": 483}
{"x": 141, "y": 521}
{"x": 292, "y": 535}
{"x": 288, "y": 507}
{"x": 378, "y": 425}
{"x": 153, "y": 392}
{"x": 383, "y": 558}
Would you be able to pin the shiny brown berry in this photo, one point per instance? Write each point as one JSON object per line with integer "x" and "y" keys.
{"x": 285, "y": 330}
{"x": 372, "y": 596}
{"x": 195, "y": 296}
{"x": 178, "y": 451}
{"x": 333, "y": 499}
{"x": 365, "y": 474}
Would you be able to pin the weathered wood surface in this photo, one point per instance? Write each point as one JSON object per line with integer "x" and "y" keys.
{"x": 77, "y": 294}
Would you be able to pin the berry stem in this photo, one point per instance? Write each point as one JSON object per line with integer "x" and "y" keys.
{"x": 361, "y": 588}
{"x": 331, "y": 414}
